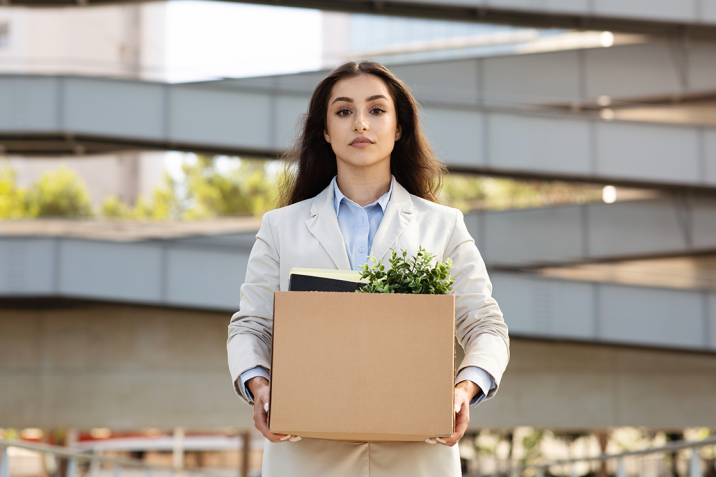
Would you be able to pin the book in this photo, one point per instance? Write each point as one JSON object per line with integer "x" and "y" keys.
{"x": 313, "y": 279}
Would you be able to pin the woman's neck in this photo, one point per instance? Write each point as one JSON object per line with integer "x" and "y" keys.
{"x": 364, "y": 186}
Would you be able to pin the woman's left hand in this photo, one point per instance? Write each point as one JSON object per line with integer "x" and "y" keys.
{"x": 464, "y": 392}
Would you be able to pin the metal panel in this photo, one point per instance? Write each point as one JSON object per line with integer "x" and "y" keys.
{"x": 541, "y": 78}
{"x": 299, "y": 82}
{"x": 651, "y": 316}
{"x": 27, "y": 266}
{"x": 204, "y": 278}
{"x": 28, "y": 103}
{"x": 708, "y": 11}
{"x": 262, "y": 121}
{"x": 657, "y": 68}
{"x": 671, "y": 10}
{"x": 709, "y": 173}
{"x": 630, "y": 229}
{"x": 451, "y": 82}
{"x": 221, "y": 117}
{"x": 561, "y": 6}
{"x": 289, "y": 110}
{"x": 639, "y": 227}
{"x": 701, "y": 64}
{"x": 648, "y": 152}
{"x": 104, "y": 107}
{"x": 112, "y": 271}
{"x": 539, "y": 144}
{"x": 547, "y": 308}
{"x": 703, "y": 221}
{"x": 632, "y": 71}
{"x": 533, "y": 235}
{"x": 456, "y": 135}
{"x": 209, "y": 277}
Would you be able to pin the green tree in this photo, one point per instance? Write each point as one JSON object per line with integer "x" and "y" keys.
{"x": 59, "y": 193}
{"x": 240, "y": 187}
{"x": 244, "y": 189}
{"x": 471, "y": 192}
{"x": 12, "y": 198}
{"x": 163, "y": 205}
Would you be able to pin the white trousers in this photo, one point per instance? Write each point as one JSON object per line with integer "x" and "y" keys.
{"x": 323, "y": 458}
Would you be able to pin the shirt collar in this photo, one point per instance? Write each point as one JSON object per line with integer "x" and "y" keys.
{"x": 383, "y": 201}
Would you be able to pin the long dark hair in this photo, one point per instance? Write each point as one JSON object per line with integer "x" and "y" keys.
{"x": 413, "y": 162}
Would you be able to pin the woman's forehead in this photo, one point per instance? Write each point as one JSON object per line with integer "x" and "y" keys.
{"x": 360, "y": 88}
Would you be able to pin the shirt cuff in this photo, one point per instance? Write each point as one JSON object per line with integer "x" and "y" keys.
{"x": 252, "y": 373}
{"x": 481, "y": 378}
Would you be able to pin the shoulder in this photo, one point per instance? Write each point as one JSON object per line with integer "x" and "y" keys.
{"x": 435, "y": 212}
{"x": 290, "y": 213}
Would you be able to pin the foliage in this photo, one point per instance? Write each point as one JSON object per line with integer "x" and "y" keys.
{"x": 469, "y": 192}
{"x": 408, "y": 275}
{"x": 204, "y": 191}
{"x": 12, "y": 198}
{"x": 114, "y": 208}
{"x": 532, "y": 445}
{"x": 58, "y": 193}
{"x": 164, "y": 204}
{"x": 242, "y": 190}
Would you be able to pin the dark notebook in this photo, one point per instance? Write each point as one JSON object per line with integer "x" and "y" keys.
{"x": 309, "y": 283}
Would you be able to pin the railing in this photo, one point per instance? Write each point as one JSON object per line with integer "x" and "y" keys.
{"x": 694, "y": 462}
{"x": 74, "y": 457}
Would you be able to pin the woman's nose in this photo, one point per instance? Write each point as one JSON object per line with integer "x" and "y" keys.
{"x": 359, "y": 125}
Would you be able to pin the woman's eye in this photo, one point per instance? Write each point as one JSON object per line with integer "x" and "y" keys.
{"x": 343, "y": 112}
{"x": 377, "y": 111}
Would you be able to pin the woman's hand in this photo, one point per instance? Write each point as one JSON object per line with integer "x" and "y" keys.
{"x": 464, "y": 392}
{"x": 260, "y": 388}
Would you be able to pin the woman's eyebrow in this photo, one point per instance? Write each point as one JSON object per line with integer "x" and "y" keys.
{"x": 367, "y": 100}
{"x": 342, "y": 98}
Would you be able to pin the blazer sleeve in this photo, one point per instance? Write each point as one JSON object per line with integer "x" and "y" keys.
{"x": 250, "y": 329}
{"x": 479, "y": 326}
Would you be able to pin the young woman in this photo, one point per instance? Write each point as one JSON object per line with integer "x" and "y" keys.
{"x": 367, "y": 182}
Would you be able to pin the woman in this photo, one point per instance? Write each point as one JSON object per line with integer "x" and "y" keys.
{"x": 367, "y": 181}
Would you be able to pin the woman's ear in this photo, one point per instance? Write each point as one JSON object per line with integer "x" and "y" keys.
{"x": 398, "y": 132}
{"x": 325, "y": 135}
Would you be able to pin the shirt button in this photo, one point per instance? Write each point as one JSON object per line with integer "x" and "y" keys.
{"x": 360, "y": 250}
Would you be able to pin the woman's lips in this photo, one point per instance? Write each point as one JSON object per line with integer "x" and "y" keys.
{"x": 361, "y": 142}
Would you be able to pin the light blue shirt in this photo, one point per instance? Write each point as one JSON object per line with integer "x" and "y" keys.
{"x": 358, "y": 226}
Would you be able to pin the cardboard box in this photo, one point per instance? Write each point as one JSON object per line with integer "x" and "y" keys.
{"x": 363, "y": 367}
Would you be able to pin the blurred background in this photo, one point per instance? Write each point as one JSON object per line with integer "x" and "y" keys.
{"x": 140, "y": 145}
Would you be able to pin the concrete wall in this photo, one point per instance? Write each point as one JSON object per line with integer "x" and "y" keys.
{"x": 567, "y": 385}
{"x": 124, "y": 367}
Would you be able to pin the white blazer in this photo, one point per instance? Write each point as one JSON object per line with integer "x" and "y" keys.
{"x": 307, "y": 235}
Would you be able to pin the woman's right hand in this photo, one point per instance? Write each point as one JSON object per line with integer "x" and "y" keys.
{"x": 260, "y": 388}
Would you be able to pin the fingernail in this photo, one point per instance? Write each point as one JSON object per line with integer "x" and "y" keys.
{"x": 430, "y": 441}
{"x": 295, "y": 439}
{"x": 440, "y": 440}
{"x": 457, "y": 408}
{"x": 266, "y": 407}
{"x": 285, "y": 438}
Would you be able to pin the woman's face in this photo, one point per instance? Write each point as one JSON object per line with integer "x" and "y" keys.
{"x": 362, "y": 124}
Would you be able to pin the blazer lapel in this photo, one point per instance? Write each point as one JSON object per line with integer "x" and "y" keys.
{"x": 398, "y": 216}
{"x": 323, "y": 224}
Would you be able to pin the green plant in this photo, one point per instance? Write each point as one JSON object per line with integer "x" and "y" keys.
{"x": 12, "y": 198}
{"x": 59, "y": 193}
{"x": 408, "y": 275}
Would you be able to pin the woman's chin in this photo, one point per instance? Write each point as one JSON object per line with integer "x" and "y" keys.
{"x": 363, "y": 160}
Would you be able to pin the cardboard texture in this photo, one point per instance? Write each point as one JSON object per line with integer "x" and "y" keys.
{"x": 363, "y": 367}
